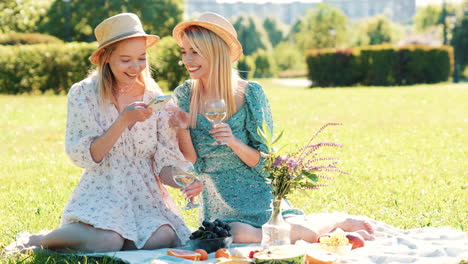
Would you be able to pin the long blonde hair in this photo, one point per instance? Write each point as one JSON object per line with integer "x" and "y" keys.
{"x": 222, "y": 77}
{"x": 106, "y": 79}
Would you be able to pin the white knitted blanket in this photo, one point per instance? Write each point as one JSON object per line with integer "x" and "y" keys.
{"x": 392, "y": 245}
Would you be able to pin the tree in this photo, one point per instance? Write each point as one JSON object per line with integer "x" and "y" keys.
{"x": 460, "y": 43}
{"x": 275, "y": 34}
{"x": 373, "y": 31}
{"x": 322, "y": 27}
{"x": 251, "y": 34}
{"x": 22, "y": 16}
{"x": 288, "y": 57}
{"x": 264, "y": 64}
{"x": 158, "y": 17}
{"x": 164, "y": 59}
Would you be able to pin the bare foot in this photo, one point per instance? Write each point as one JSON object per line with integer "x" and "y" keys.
{"x": 350, "y": 224}
{"x": 25, "y": 243}
{"x": 365, "y": 235}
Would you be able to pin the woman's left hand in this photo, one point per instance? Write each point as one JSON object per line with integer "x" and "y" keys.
{"x": 223, "y": 132}
{"x": 193, "y": 189}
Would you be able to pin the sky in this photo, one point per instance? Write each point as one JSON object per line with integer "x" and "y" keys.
{"x": 418, "y": 2}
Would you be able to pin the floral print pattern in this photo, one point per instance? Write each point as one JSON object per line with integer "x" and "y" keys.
{"x": 120, "y": 193}
{"x": 232, "y": 191}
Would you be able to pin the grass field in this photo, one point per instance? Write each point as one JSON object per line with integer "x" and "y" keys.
{"x": 405, "y": 147}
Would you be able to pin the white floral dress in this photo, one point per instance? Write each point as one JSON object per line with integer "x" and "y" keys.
{"x": 121, "y": 193}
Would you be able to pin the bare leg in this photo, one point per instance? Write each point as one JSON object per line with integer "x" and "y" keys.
{"x": 245, "y": 233}
{"x": 163, "y": 237}
{"x": 311, "y": 227}
{"x": 74, "y": 236}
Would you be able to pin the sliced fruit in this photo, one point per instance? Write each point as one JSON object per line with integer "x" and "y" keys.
{"x": 234, "y": 261}
{"x": 185, "y": 254}
{"x": 222, "y": 253}
{"x": 280, "y": 254}
{"x": 319, "y": 256}
{"x": 203, "y": 253}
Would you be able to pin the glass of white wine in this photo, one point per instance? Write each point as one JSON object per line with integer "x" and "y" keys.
{"x": 215, "y": 112}
{"x": 184, "y": 177}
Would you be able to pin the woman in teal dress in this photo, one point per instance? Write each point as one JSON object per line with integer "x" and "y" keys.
{"x": 235, "y": 189}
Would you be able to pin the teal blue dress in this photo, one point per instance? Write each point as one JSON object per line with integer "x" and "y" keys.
{"x": 233, "y": 191}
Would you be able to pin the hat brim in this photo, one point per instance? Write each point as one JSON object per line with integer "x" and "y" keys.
{"x": 234, "y": 45}
{"x": 150, "y": 41}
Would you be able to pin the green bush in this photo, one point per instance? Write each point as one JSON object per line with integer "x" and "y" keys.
{"x": 14, "y": 38}
{"x": 246, "y": 67}
{"x": 56, "y": 67}
{"x": 264, "y": 64}
{"x": 378, "y": 64}
{"x": 422, "y": 64}
{"x": 42, "y": 67}
{"x": 330, "y": 67}
{"x": 381, "y": 65}
{"x": 288, "y": 57}
{"x": 165, "y": 63}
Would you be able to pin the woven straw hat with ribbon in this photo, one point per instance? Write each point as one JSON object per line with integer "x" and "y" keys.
{"x": 116, "y": 28}
{"x": 217, "y": 24}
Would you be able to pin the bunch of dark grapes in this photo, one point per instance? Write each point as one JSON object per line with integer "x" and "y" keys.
{"x": 210, "y": 230}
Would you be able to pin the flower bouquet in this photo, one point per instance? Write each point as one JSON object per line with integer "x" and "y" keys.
{"x": 302, "y": 169}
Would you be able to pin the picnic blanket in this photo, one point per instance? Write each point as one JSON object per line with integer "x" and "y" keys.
{"x": 392, "y": 245}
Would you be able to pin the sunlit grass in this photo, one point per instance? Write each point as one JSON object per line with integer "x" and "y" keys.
{"x": 405, "y": 147}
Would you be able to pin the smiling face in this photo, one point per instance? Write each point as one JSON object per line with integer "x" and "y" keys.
{"x": 197, "y": 66}
{"x": 128, "y": 60}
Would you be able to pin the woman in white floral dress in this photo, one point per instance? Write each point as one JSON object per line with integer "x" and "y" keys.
{"x": 126, "y": 151}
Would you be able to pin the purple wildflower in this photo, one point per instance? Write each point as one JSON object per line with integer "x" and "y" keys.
{"x": 279, "y": 160}
{"x": 292, "y": 163}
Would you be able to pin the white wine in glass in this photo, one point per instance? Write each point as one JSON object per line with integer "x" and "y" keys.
{"x": 215, "y": 112}
{"x": 183, "y": 178}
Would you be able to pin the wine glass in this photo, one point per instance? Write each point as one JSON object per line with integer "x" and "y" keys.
{"x": 215, "y": 112}
{"x": 184, "y": 177}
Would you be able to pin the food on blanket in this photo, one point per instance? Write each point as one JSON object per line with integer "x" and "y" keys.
{"x": 211, "y": 236}
{"x": 203, "y": 253}
{"x": 334, "y": 240}
{"x": 158, "y": 102}
{"x": 234, "y": 261}
{"x": 222, "y": 253}
{"x": 210, "y": 230}
{"x": 355, "y": 239}
{"x": 280, "y": 254}
{"x": 320, "y": 256}
{"x": 252, "y": 253}
{"x": 185, "y": 254}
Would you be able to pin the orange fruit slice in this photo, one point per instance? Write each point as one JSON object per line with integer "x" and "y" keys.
{"x": 185, "y": 254}
{"x": 203, "y": 254}
{"x": 222, "y": 253}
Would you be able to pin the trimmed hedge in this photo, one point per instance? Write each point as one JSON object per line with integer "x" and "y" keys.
{"x": 33, "y": 68}
{"x": 56, "y": 67}
{"x": 14, "y": 38}
{"x": 382, "y": 65}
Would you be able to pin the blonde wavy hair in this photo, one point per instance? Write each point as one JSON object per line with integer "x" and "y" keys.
{"x": 106, "y": 80}
{"x": 222, "y": 77}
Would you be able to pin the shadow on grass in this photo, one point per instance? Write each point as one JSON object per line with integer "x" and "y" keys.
{"x": 52, "y": 258}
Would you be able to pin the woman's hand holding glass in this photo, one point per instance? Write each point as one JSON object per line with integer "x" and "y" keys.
{"x": 186, "y": 178}
{"x": 222, "y": 133}
{"x": 215, "y": 112}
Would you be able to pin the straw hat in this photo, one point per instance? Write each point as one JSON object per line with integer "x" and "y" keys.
{"x": 219, "y": 25}
{"x": 116, "y": 28}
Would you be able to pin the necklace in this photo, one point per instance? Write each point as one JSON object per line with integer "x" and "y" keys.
{"x": 124, "y": 89}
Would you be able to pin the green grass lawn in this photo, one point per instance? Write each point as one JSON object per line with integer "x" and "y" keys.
{"x": 405, "y": 147}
